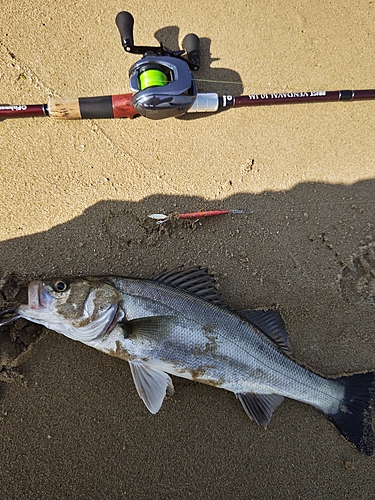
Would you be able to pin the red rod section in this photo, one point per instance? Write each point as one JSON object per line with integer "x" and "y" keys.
{"x": 296, "y": 97}
{"x": 22, "y": 110}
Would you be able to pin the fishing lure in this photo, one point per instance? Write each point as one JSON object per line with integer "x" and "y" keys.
{"x": 161, "y": 218}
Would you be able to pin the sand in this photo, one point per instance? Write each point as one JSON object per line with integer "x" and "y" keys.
{"x": 75, "y": 199}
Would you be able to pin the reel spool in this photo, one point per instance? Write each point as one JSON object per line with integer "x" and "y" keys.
{"x": 162, "y": 82}
{"x": 152, "y": 78}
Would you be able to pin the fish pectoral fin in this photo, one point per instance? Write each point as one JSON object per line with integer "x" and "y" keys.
{"x": 153, "y": 328}
{"x": 260, "y": 407}
{"x": 272, "y": 324}
{"x": 152, "y": 384}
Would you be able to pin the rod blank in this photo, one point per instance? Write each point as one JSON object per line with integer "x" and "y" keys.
{"x": 121, "y": 106}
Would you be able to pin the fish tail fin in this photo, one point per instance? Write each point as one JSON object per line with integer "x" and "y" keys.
{"x": 354, "y": 416}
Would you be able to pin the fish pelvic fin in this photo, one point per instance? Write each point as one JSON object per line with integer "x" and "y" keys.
{"x": 354, "y": 416}
{"x": 260, "y": 407}
{"x": 152, "y": 384}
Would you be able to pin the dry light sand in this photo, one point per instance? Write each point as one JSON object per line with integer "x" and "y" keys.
{"x": 75, "y": 198}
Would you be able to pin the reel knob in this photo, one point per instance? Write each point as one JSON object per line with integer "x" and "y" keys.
{"x": 125, "y": 22}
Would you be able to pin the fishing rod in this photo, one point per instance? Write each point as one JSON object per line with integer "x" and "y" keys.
{"x": 162, "y": 86}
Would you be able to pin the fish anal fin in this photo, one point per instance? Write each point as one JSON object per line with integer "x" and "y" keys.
{"x": 152, "y": 384}
{"x": 272, "y": 324}
{"x": 260, "y": 407}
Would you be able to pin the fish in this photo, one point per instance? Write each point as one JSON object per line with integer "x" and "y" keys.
{"x": 176, "y": 323}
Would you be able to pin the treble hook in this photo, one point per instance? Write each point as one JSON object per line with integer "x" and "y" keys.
{"x": 9, "y": 320}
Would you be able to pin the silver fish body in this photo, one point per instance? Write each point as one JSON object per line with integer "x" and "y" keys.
{"x": 177, "y": 324}
{"x": 191, "y": 338}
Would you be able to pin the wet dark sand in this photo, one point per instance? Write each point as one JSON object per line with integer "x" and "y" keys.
{"x": 75, "y": 200}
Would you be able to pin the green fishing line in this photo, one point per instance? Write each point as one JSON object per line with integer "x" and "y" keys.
{"x": 152, "y": 78}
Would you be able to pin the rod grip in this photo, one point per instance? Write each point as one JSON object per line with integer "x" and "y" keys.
{"x": 125, "y": 23}
{"x": 64, "y": 109}
{"x": 110, "y": 106}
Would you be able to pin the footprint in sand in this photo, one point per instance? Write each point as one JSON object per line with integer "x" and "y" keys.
{"x": 358, "y": 278}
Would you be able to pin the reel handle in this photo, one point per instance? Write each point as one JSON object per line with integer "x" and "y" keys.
{"x": 191, "y": 46}
{"x": 125, "y": 23}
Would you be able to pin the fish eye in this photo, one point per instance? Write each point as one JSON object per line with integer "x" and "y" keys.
{"x": 60, "y": 286}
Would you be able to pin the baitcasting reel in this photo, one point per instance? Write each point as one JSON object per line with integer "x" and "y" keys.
{"x": 162, "y": 82}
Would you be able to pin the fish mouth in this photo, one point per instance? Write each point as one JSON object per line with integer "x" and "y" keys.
{"x": 38, "y": 297}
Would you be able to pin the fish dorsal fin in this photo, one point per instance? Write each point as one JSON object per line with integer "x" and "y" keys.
{"x": 195, "y": 280}
{"x": 272, "y": 324}
{"x": 152, "y": 384}
{"x": 260, "y": 407}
